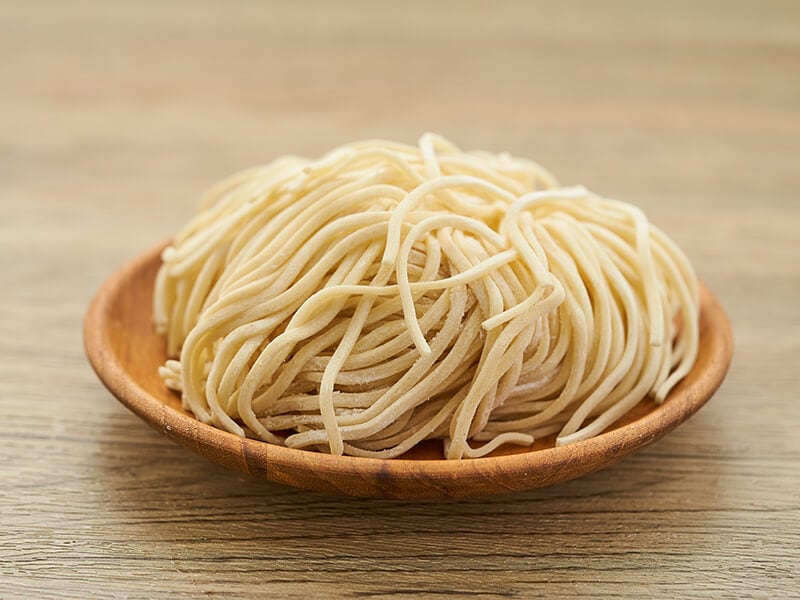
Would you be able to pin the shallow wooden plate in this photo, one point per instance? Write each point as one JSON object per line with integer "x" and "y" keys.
{"x": 125, "y": 352}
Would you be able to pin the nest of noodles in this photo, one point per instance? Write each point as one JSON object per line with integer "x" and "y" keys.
{"x": 386, "y": 294}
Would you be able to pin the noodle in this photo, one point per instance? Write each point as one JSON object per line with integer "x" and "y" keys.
{"x": 387, "y": 294}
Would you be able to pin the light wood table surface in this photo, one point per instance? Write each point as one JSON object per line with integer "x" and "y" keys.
{"x": 115, "y": 116}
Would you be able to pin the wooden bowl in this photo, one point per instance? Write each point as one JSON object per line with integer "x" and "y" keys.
{"x": 125, "y": 351}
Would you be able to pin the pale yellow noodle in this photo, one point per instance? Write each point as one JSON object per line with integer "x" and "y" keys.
{"x": 386, "y": 294}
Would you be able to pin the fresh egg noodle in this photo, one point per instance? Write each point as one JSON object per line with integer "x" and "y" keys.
{"x": 387, "y": 294}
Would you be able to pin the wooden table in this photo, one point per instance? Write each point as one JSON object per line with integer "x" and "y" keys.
{"x": 115, "y": 116}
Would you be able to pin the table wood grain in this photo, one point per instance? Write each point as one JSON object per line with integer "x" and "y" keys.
{"x": 115, "y": 116}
